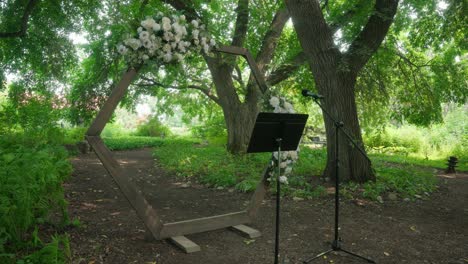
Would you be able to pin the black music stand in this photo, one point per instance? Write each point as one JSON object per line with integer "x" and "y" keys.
{"x": 277, "y": 132}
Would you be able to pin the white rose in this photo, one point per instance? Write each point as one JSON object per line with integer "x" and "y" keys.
{"x": 212, "y": 42}
{"x": 167, "y": 48}
{"x": 283, "y": 179}
{"x": 156, "y": 27}
{"x": 122, "y": 49}
{"x": 293, "y": 155}
{"x": 206, "y": 48}
{"x": 168, "y": 36}
{"x": 179, "y": 57}
{"x": 166, "y": 20}
{"x": 147, "y": 43}
{"x": 195, "y": 33}
{"x": 182, "y": 18}
{"x": 167, "y": 57}
{"x": 133, "y": 43}
{"x": 181, "y": 46}
{"x": 288, "y": 170}
{"x": 148, "y": 24}
{"x": 195, "y": 23}
{"x": 144, "y": 35}
{"x": 274, "y": 101}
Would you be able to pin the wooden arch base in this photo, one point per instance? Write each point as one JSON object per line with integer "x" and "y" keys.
{"x": 157, "y": 228}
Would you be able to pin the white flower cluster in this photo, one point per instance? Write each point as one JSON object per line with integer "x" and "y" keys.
{"x": 288, "y": 158}
{"x": 168, "y": 39}
{"x": 280, "y": 105}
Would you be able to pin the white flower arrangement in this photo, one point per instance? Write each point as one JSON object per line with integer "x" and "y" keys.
{"x": 167, "y": 39}
{"x": 288, "y": 158}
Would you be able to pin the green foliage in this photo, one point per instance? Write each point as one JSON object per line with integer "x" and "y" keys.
{"x": 56, "y": 252}
{"x": 435, "y": 143}
{"x": 33, "y": 166}
{"x": 395, "y": 140}
{"x": 213, "y": 130}
{"x": 153, "y": 128}
{"x": 75, "y": 135}
{"x": 132, "y": 142}
{"x": 211, "y": 165}
{"x": 114, "y": 130}
{"x": 407, "y": 180}
{"x": 31, "y": 185}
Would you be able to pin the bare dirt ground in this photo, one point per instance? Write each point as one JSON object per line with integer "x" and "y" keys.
{"x": 431, "y": 230}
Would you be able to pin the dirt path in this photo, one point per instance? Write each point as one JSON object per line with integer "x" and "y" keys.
{"x": 425, "y": 231}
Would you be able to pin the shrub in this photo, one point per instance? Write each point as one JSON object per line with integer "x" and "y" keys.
{"x": 132, "y": 142}
{"x": 75, "y": 135}
{"x": 153, "y": 128}
{"x": 214, "y": 130}
{"x": 114, "y": 130}
{"x": 392, "y": 140}
{"x": 33, "y": 166}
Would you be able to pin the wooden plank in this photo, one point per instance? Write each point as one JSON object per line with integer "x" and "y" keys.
{"x": 246, "y": 231}
{"x": 204, "y": 224}
{"x": 232, "y": 50}
{"x": 259, "y": 78}
{"x": 257, "y": 197}
{"x": 256, "y": 72}
{"x": 109, "y": 106}
{"x": 187, "y": 245}
{"x": 134, "y": 196}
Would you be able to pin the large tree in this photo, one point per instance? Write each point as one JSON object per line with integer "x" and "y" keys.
{"x": 335, "y": 73}
{"x": 239, "y": 97}
{"x": 416, "y": 69}
{"x": 221, "y": 78}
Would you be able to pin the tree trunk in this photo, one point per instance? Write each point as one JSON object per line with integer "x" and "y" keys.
{"x": 239, "y": 123}
{"x": 340, "y": 103}
{"x": 335, "y": 79}
{"x": 239, "y": 116}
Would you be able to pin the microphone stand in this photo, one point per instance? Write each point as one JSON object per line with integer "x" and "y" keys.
{"x": 336, "y": 244}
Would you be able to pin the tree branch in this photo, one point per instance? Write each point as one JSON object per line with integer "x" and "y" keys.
{"x": 181, "y": 5}
{"x": 24, "y": 22}
{"x": 267, "y": 50}
{"x": 346, "y": 17}
{"x": 238, "y": 76}
{"x": 285, "y": 70}
{"x": 150, "y": 82}
{"x": 270, "y": 41}
{"x": 242, "y": 22}
{"x": 374, "y": 32}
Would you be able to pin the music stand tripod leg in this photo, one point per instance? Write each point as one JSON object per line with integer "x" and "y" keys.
{"x": 278, "y": 197}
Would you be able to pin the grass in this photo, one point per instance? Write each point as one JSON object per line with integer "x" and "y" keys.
{"x": 213, "y": 165}
{"x": 132, "y": 142}
{"x": 419, "y": 161}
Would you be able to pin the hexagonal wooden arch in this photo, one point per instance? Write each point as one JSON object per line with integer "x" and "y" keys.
{"x": 144, "y": 210}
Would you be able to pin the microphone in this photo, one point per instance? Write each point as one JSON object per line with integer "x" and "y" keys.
{"x": 308, "y": 93}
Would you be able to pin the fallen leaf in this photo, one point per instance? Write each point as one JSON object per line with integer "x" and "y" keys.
{"x": 115, "y": 213}
{"x": 89, "y": 205}
{"x": 249, "y": 241}
{"x": 386, "y": 254}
